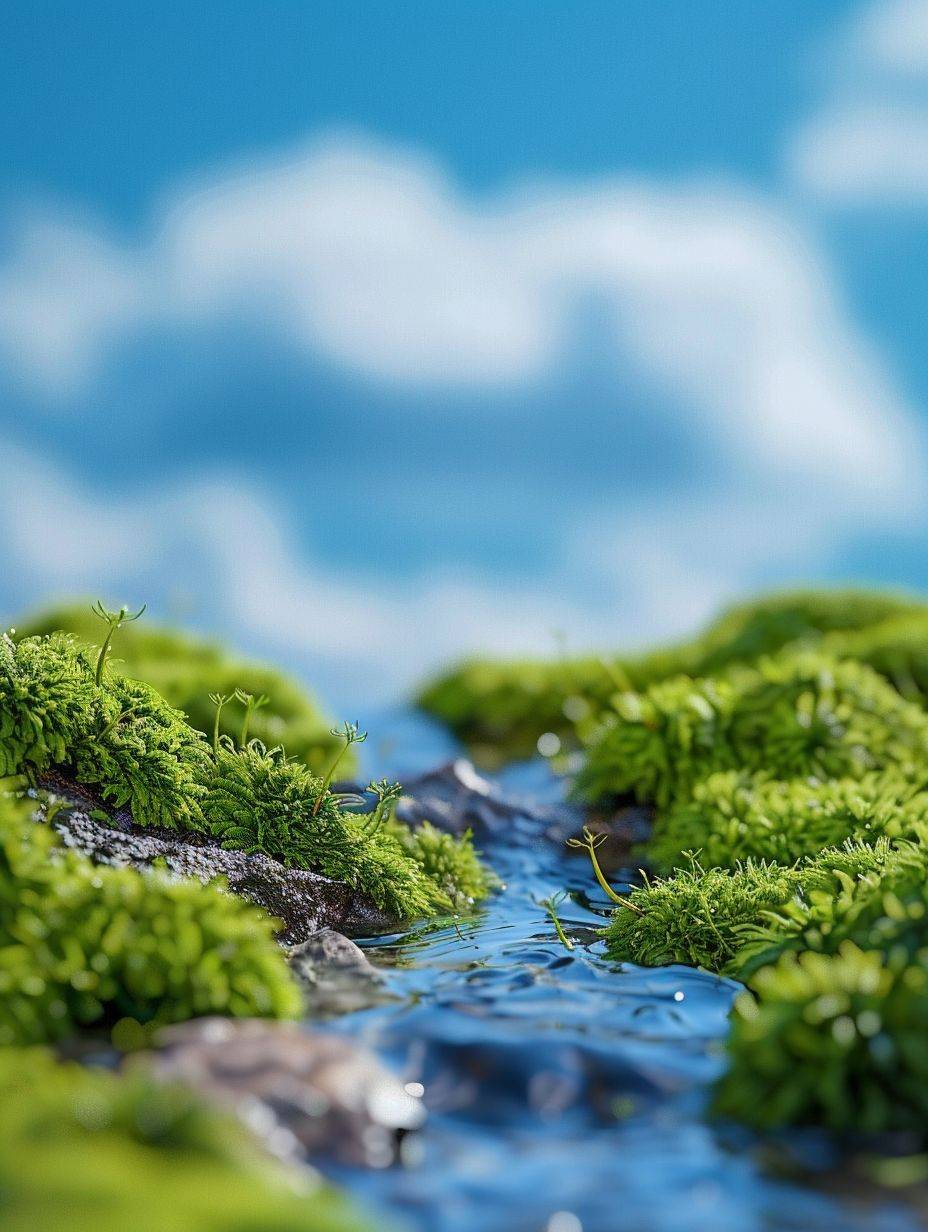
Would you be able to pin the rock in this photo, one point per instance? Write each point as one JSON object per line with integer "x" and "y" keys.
{"x": 305, "y": 1093}
{"x": 335, "y": 974}
{"x": 455, "y": 797}
{"x": 305, "y": 902}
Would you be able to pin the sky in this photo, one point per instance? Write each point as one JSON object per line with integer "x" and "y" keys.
{"x": 370, "y": 334}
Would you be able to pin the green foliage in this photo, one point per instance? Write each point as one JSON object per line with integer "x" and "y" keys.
{"x": 734, "y": 815}
{"x": 86, "y": 1150}
{"x": 695, "y": 917}
{"x": 704, "y": 917}
{"x": 501, "y": 707}
{"x": 258, "y": 801}
{"x": 897, "y": 648}
{"x": 451, "y": 863}
{"x": 121, "y": 738}
{"x": 792, "y": 716}
{"x": 185, "y": 670}
{"x": 839, "y": 1040}
{"x": 83, "y": 946}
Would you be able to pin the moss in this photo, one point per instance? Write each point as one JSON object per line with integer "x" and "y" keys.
{"x": 839, "y": 1040}
{"x": 89, "y": 1151}
{"x": 452, "y": 863}
{"x": 258, "y": 801}
{"x": 501, "y": 707}
{"x": 83, "y": 946}
{"x": 185, "y": 670}
{"x": 735, "y": 815}
{"x": 791, "y": 716}
{"x": 704, "y": 917}
{"x": 121, "y": 738}
{"x": 897, "y": 648}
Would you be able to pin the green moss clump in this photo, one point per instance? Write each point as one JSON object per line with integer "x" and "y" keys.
{"x": 185, "y": 670}
{"x": 88, "y": 1151}
{"x": 120, "y": 737}
{"x": 733, "y": 816}
{"x": 839, "y": 1040}
{"x": 83, "y": 946}
{"x": 705, "y": 917}
{"x": 790, "y": 717}
{"x": 451, "y": 863}
{"x": 259, "y": 801}
{"x": 501, "y": 707}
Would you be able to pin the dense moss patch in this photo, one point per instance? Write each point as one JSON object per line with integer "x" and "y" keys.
{"x": 185, "y": 670}
{"x": 84, "y": 946}
{"x": 791, "y": 796}
{"x": 734, "y": 815}
{"x": 59, "y": 711}
{"x": 791, "y": 716}
{"x": 83, "y": 1150}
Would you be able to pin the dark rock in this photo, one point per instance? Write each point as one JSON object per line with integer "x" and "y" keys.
{"x": 455, "y": 797}
{"x": 305, "y": 1093}
{"x": 336, "y": 976}
{"x": 305, "y": 902}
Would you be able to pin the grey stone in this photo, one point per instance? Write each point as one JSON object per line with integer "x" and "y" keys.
{"x": 305, "y": 1093}
{"x": 335, "y": 974}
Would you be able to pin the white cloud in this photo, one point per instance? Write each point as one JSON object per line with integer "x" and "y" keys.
{"x": 368, "y": 256}
{"x": 892, "y": 35}
{"x": 867, "y": 145}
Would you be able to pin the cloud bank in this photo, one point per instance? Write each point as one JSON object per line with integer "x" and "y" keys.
{"x": 368, "y": 256}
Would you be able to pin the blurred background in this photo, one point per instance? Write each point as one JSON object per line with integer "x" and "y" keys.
{"x": 367, "y": 334}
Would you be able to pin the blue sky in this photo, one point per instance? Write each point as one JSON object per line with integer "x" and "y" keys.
{"x": 371, "y": 333}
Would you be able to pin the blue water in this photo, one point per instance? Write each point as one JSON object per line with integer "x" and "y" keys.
{"x": 565, "y": 1092}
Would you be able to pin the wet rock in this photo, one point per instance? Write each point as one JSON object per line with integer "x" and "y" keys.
{"x": 305, "y": 902}
{"x": 455, "y": 797}
{"x": 335, "y": 974}
{"x": 306, "y": 1094}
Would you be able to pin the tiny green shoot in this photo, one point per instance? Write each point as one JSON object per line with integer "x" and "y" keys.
{"x": 589, "y": 843}
{"x": 551, "y": 905}
{"x": 351, "y": 734}
{"x": 114, "y": 621}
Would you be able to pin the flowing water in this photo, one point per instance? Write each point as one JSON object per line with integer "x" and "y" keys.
{"x": 565, "y": 1092}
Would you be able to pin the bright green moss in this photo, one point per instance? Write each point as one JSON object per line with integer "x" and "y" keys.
{"x": 897, "y": 648}
{"x": 121, "y": 738}
{"x": 501, "y": 707}
{"x": 257, "y": 801}
{"x": 790, "y": 717}
{"x": 451, "y": 863}
{"x": 85, "y": 1150}
{"x": 83, "y": 946}
{"x": 185, "y": 670}
{"x": 839, "y": 1040}
{"x": 734, "y": 815}
{"x": 884, "y": 907}
{"x": 704, "y": 917}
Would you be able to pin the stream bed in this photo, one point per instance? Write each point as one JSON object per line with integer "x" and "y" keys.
{"x": 565, "y": 1093}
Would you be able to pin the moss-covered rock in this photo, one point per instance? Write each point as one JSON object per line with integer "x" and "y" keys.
{"x": 89, "y": 1151}
{"x": 62, "y": 712}
{"x": 185, "y": 670}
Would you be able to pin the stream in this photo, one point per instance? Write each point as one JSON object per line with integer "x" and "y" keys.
{"x": 565, "y": 1093}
